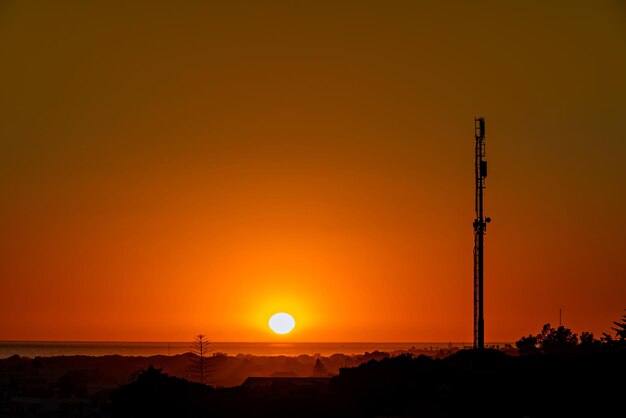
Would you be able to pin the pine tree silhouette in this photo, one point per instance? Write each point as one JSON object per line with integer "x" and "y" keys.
{"x": 319, "y": 370}
{"x": 620, "y": 328}
{"x": 200, "y": 360}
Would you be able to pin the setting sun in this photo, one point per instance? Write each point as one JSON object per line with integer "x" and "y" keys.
{"x": 282, "y": 323}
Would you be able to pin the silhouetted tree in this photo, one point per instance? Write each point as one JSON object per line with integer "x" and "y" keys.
{"x": 527, "y": 345}
{"x": 620, "y": 334}
{"x": 587, "y": 341}
{"x": 550, "y": 340}
{"x": 319, "y": 370}
{"x": 200, "y": 361}
{"x": 559, "y": 340}
{"x": 620, "y": 329}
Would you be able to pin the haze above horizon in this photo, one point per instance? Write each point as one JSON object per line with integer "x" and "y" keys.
{"x": 196, "y": 168}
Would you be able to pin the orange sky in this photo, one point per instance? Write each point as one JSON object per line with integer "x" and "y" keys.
{"x": 170, "y": 168}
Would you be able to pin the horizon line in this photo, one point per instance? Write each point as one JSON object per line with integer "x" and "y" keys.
{"x": 248, "y": 342}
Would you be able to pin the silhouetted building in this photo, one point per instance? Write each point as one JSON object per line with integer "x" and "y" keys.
{"x": 266, "y": 382}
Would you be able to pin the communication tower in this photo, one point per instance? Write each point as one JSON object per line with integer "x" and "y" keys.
{"x": 480, "y": 227}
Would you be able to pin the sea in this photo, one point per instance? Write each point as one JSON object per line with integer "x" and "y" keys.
{"x": 34, "y": 349}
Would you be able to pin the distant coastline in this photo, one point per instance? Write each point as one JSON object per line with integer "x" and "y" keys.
{"x": 34, "y": 349}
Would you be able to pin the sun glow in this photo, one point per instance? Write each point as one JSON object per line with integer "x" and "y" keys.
{"x": 282, "y": 323}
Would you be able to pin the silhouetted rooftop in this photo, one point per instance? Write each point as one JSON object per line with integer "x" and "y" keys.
{"x": 257, "y": 382}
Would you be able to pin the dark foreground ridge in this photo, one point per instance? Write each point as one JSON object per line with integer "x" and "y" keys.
{"x": 487, "y": 383}
{"x": 468, "y": 383}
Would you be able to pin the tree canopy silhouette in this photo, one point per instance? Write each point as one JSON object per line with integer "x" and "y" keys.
{"x": 550, "y": 341}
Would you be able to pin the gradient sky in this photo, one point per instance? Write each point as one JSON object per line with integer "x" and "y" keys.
{"x": 171, "y": 168}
